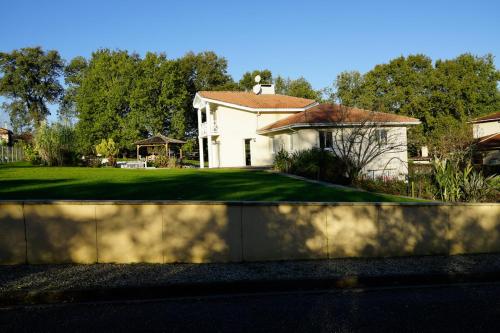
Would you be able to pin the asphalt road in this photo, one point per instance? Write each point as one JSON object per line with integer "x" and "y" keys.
{"x": 453, "y": 308}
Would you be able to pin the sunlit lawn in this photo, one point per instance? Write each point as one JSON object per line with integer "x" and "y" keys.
{"x": 21, "y": 181}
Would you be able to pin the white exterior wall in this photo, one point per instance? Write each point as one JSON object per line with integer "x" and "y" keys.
{"x": 392, "y": 164}
{"x": 484, "y": 129}
{"x": 234, "y": 126}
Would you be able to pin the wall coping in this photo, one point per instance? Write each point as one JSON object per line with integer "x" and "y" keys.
{"x": 237, "y": 203}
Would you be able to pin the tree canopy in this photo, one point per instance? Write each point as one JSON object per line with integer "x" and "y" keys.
{"x": 442, "y": 95}
{"x": 123, "y": 96}
{"x": 29, "y": 80}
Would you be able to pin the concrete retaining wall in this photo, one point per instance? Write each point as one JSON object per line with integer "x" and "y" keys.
{"x": 163, "y": 232}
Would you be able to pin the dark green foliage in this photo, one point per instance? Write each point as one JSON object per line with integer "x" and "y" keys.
{"x": 297, "y": 88}
{"x": 29, "y": 80}
{"x": 248, "y": 79}
{"x": 282, "y": 161}
{"x": 126, "y": 98}
{"x": 443, "y": 96}
{"x": 395, "y": 187}
{"x": 312, "y": 163}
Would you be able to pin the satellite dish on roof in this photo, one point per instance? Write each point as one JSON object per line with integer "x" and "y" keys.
{"x": 257, "y": 89}
{"x": 257, "y": 79}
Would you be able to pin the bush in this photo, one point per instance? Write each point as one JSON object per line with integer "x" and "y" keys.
{"x": 394, "y": 186}
{"x": 458, "y": 181}
{"x": 55, "y": 144}
{"x": 108, "y": 149}
{"x": 163, "y": 161}
{"x": 282, "y": 161}
{"x": 312, "y": 163}
{"x": 31, "y": 155}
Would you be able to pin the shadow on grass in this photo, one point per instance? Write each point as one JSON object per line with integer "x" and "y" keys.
{"x": 225, "y": 185}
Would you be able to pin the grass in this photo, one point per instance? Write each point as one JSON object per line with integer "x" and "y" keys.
{"x": 21, "y": 181}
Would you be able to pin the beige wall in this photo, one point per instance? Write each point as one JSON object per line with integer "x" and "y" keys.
{"x": 484, "y": 129}
{"x": 166, "y": 232}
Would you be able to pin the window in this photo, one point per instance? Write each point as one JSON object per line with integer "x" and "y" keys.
{"x": 325, "y": 139}
{"x": 381, "y": 136}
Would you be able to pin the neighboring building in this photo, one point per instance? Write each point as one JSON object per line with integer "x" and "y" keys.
{"x": 247, "y": 129}
{"x": 486, "y": 131}
{"x": 6, "y": 135}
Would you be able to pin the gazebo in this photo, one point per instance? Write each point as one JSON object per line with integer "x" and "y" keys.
{"x": 160, "y": 141}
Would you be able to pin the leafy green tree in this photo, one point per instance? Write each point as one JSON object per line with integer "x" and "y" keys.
{"x": 443, "y": 96}
{"x": 465, "y": 87}
{"x": 29, "y": 80}
{"x": 202, "y": 71}
{"x": 126, "y": 98}
{"x": 298, "y": 88}
{"x": 103, "y": 98}
{"x": 73, "y": 76}
{"x": 248, "y": 79}
{"x": 349, "y": 89}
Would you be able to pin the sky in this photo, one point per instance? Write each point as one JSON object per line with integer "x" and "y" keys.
{"x": 313, "y": 39}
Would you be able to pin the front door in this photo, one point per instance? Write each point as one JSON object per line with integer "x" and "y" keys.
{"x": 248, "y": 155}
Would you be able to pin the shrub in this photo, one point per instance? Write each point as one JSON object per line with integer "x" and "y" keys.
{"x": 282, "y": 161}
{"x": 173, "y": 163}
{"x": 312, "y": 163}
{"x": 457, "y": 181}
{"x": 108, "y": 149}
{"x": 31, "y": 155}
{"x": 393, "y": 186}
{"x": 55, "y": 144}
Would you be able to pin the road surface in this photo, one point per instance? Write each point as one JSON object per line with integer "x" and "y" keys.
{"x": 443, "y": 308}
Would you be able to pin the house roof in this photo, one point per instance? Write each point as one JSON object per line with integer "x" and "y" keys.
{"x": 5, "y": 131}
{"x": 261, "y": 101}
{"x": 489, "y": 142}
{"x": 334, "y": 114}
{"x": 487, "y": 118}
{"x": 158, "y": 140}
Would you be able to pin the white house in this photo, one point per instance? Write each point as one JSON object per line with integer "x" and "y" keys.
{"x": 248, "y": 128}
{"x": 486, "y": 131}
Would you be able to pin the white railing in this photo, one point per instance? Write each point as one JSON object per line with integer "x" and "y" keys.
{"x": 204, "y": 130}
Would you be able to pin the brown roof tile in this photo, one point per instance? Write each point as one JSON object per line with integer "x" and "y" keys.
{"x": 324, "y": 114}
{"x": 490, "y": 142}
{"x": 490, "y": 117}
{"x": 251, "y": 100}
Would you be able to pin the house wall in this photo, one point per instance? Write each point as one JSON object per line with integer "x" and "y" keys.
{"x": 392, "y": 164}
{"x": 484, "y": 129}
{"x": 234, "y": 126}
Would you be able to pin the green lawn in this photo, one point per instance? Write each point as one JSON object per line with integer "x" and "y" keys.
{"x": 21, "y": 181}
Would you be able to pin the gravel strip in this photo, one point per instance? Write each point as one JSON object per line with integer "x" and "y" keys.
{"x": 38, "y": 278}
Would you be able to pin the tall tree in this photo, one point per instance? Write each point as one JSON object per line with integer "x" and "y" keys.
{"x": 348, "y": 89}
{"x": 247, "y": 81}
{"x": 298, "y": 88}
{"x": 29, "y": 80}
{"x": 103, "y": 98}
{"x": 202, "y": 71}
{"x": 124, "y": 97}
{"x": 73, "y": 76}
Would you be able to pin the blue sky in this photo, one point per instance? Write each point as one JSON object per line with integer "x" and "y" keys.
{"x": 314, "y": 39}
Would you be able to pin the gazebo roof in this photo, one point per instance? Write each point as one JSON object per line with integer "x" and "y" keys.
{"x": 158, "y": 140}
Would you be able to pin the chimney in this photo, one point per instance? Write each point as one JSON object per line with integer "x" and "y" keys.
{"x": 263, "y": 89}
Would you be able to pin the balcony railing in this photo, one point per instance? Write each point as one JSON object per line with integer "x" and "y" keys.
{"x": 204, "y": 130}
